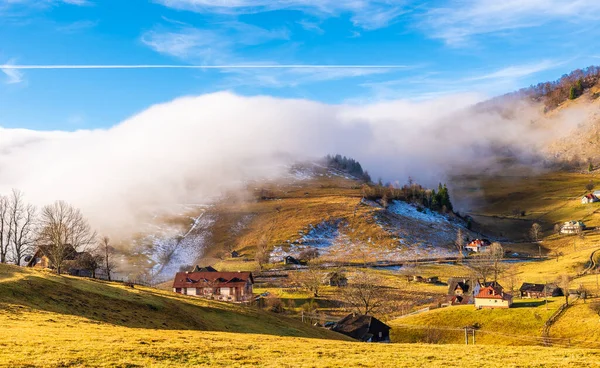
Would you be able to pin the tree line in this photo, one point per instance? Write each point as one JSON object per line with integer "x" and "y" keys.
{"x": 59, "y": 231}
{"x": 347, "y": 165}
{"x": 411, "y": 192}
{"x": 553, "y": 93}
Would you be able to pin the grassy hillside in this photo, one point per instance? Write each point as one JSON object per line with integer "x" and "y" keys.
{"x": 520, "y": 325}
{"x": 52, "y": 321}
{"x": 41, "y": 298}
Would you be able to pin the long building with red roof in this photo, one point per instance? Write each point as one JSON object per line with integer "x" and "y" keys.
{"x": 227, "y": 286}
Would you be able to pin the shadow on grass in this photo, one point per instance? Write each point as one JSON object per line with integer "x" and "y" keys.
{"x": 142, "y": 308}
{"x": 530, "y": 304}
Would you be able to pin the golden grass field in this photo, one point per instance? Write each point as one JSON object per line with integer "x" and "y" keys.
{"x": 60, "y": 321}
{"x": 51, "y": 321}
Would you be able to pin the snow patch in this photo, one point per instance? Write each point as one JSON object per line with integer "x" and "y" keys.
{"x": 422, "y": 214}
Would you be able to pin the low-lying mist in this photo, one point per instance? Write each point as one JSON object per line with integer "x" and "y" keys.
{"x": 193, "y": 148}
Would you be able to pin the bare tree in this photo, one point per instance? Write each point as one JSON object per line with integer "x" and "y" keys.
{"x": 488, "y": 263}
{"x": 5, "y": 229}
{"x": 107, "y": 253}
{"x": 513, "y": 279}
{"x": 496, "y": 254}
{"x": 460, "y": 243}
{"x": 262, "y": 252}
{"x": 89, "y": 261}
{"x": 311, "y": 279}
{"x": 535, "y": 233}
{"x": 563, "y": 282}
{"x": 365, "y": 293}
{"x": 22, "y": 224}
{"x": 557, "y": 253}
{"x": 557, "y": 229}
{"x": 63, "y": 230}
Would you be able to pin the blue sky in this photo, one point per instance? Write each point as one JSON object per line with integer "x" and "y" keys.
{"x": 435, "y": 48}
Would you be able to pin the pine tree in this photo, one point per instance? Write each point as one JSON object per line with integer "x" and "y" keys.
{"x": 572, "y": 93}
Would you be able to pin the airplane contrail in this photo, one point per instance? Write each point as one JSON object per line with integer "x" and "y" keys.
{"x": 167, "y": 66}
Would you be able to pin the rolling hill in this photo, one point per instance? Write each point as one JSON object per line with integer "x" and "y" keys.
{"x": 60, "y": 321}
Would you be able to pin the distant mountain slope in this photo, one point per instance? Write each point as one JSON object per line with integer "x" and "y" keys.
{"x": 319, "y": 208}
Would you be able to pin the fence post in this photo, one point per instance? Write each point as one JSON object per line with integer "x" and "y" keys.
{"x": 473, "y": 330}
{"x": 466, "y": 336}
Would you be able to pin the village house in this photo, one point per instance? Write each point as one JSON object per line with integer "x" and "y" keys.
{"x": 492, "y": 297}
{"x": 538, "y": 291}
{"x": 461, "y": 290}
{"x": 478, "y": 245}
{"x": 337, "y": 278}
{"x": 589, "y": 198}
{"x": 363, "y": 328}
{"x": 572, "y": 227}
{"x": 226, "y": 286}
{"x": 42, "y": 259}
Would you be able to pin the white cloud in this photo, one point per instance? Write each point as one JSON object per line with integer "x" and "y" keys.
{"x": 193, "y": 148}
{"x": 459, "y": 20}
{"x": 367, "y": 14}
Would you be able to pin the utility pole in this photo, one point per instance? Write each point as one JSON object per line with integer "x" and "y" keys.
{"x": 546, "y": 294}
{"x": 466, "y": 336}
{"x": 473, "y": 330}
{"x": 597, "y": 284}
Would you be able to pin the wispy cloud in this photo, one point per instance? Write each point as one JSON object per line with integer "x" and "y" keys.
{"x": 488, "y": 82}
{"x": 13, "y": 75}
{"x": 459, "y": 20}
{"x": 367, "y": 14}
{"x": 296, "y": 76}
{"x": 206, "y": 46}
{"x": 517, "y": 71}
{"x": 223, "y": 48}
{"x": 77, "y": 26}
{"x": 311, "y": 26}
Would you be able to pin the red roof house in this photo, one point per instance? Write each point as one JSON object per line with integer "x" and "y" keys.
{"x": 492, "y": 297}
{"x": 478, "y": 245}
{"x": 228, "y": 286}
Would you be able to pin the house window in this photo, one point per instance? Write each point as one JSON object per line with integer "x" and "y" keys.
{"x": 178, "y": 290}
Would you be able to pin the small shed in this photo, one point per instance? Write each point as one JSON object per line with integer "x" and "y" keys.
{"x": 363, "y": 328}
{"x": 433, "y": 280}
{"x": 337, "y": 278}
{"x": 414, "y": 278}
{"x": 537, "y": 291}
{"x": 572, "y": 227}
{"x": 290, "y": 260}
{"x": 589, "y": 198}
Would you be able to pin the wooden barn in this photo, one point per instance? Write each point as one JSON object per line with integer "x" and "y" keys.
{"x": 538, "y": 291}
{"x": 363, "y": 328}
